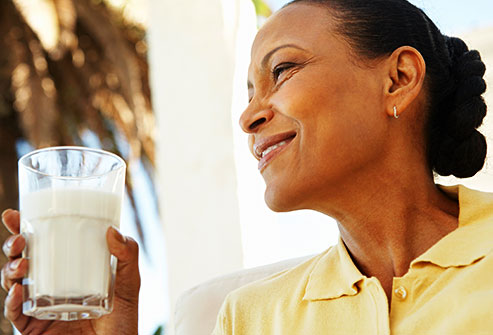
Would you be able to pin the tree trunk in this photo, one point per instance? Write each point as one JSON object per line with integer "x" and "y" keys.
{"x": 8, "y": 191}
{"x": 9, "y": 132}
{"x": 51, "y": 100}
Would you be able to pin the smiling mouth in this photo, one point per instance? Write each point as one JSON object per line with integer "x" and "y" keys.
{"x": 270, "y": 148}
{"x": 274, "y": 147}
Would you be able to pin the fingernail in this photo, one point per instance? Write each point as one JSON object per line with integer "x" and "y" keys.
{"x": 15, "y": 264}
{"x": 119, "y": 236}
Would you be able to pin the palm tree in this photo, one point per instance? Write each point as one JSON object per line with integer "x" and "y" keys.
{"x": 92, "y": 82}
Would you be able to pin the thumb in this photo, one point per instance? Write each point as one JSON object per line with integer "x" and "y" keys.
{"x": 126, "y": 250}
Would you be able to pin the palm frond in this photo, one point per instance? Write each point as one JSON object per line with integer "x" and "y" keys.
{"x": 94, "y": 78}
{"x": 261, "y": 8}
{"x": 32, "y": 85}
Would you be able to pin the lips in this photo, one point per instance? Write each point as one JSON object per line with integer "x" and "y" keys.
{"x": 268, "y": 148}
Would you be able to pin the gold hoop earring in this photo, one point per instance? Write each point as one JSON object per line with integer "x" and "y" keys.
{"x": 395, "y": 112}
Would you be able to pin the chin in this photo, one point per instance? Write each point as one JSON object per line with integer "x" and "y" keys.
{"x": 281, "y": 201}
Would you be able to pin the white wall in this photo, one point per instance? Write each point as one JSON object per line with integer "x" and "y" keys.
{"x": 192, "y": 47}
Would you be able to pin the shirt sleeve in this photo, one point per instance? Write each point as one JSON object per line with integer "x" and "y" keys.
{"x": 223, "y": 321}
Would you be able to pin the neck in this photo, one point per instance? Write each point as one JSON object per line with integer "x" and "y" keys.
{"x": 387, "y": 225}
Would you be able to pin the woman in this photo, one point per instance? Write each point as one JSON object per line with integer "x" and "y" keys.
{"x": 353, "y": 105}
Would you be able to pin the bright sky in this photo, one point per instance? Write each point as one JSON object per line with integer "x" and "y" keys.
{"x": 451, "y": 16}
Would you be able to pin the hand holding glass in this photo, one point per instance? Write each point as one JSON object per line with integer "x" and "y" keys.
{"x": 69, "y": 197}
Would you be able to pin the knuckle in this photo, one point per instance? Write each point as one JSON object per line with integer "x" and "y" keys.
{"x": 6, "y": 310}
{"x": 4, "y": 279}
{"x": 7, "y": 245}
{"x": 13, "y": 245}
{"x": 8, "y": 314}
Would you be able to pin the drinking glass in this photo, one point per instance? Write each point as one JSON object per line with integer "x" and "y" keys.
{"x": 68, "y": 198}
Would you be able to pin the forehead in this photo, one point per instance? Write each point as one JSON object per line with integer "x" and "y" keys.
{"x": 302, "y": 24}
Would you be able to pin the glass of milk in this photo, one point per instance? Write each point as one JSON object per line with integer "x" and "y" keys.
{"x": 69, "y": 197}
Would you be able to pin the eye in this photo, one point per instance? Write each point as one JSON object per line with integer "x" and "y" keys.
{"x": 279, "y": 69}
{"x": 250, "y": 96}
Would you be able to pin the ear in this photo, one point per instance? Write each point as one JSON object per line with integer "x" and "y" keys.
{"x": 407, "y": 70}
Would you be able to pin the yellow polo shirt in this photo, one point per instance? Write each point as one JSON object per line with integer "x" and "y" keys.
{"x": 448, "y": 290}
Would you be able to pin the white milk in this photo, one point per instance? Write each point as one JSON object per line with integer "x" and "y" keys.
{"x": 66, "y": 237}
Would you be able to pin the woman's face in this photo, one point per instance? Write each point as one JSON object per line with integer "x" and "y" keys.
{"x": 316, "y": 116}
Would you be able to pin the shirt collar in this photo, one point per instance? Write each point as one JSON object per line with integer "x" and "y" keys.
{"x": 335, "y": 275}
{"x": 336, "y": 265}
{"x": 471, "y": 241}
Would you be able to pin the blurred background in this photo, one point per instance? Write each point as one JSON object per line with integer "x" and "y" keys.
{"x": 84, "y": 72}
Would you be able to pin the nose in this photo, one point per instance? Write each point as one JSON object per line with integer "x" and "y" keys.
{"x": 252, "y": 119}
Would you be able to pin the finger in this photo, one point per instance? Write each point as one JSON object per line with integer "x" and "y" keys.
{"x": 11, "y": 220}
{"x": 13, "y": 312}
{"x": 13, "y": 308}
{"x": 13, "y": 246}
{"x": 13, "y": 272}
{"x": 127, "y": 283}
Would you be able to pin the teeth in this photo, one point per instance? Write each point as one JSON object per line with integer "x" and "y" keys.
{"x": 274, "y": 147}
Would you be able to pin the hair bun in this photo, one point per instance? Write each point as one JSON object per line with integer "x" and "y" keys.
{"x": 456, "y": 46}
{"x": 467, "y": 70}
{"x": 470, "y": 64}
{"x": 462, "y": 122}
{"x": 462, "y": 159}
{"x": 469, "y": 87}
{"x": 457, "y": 147}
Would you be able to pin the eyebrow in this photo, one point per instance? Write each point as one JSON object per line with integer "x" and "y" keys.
{"x": 271, "y": 53}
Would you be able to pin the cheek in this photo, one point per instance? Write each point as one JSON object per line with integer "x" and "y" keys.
{"x": 347, "y": 126}
{"x": 339, "y": 133}
{"x": 328, "y": 153}
{"x": 346, "y": 143}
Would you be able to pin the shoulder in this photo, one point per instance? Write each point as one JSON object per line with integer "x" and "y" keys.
{"x": 249, "y": 308}
{"x": 277, "y": 289}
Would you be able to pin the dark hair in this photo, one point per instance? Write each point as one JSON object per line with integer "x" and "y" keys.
{"x": 454, "y": 76}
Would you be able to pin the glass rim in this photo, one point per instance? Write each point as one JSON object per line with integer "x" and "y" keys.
{"x": 121, "y": 162}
